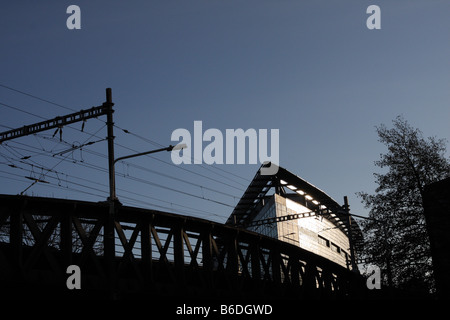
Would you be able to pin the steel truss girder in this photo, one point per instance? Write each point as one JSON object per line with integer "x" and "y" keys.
{"x": 158, "y": 252}
{"x": 57, "y": 122}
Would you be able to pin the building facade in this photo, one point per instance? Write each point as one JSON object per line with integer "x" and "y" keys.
{"x": 290, "y": 209}
{"x": 313, "y": 233}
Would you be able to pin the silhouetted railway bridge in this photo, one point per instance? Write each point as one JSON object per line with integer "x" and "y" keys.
{"x": 154, "y": 254}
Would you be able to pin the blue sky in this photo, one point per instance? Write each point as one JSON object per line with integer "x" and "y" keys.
{"x": 311, "y": 69}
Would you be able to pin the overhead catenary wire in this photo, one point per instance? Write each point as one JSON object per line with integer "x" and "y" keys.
{"x": 208, "y": 167}
{"x": 128, "y": 164}
{"x": 94, "y": 135}
{"x": 43, "y": 174}
{"x": 132, "y": 165}
{"x": 104, "y": 192}
{"x": 92, "y": 166}
{"x": 133, "y": 150}
{"x": 205, "y": 167}
{"x": 128, "y": 200}
{"x": 35, "y": 97}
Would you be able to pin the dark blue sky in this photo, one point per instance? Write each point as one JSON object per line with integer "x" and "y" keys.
{"x": 311, "y": 69}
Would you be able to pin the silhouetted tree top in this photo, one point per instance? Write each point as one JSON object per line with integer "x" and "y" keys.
{"x": 396, "y": 238}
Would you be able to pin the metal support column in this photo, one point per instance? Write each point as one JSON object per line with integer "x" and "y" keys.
{"x": 350, "y": 236}
{"x": 109, "y": 241}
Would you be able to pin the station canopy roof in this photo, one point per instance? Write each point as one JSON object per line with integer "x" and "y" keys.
{"x": 295, "y": 188}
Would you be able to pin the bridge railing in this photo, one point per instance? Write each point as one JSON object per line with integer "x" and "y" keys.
{"x": 156, "y": 253}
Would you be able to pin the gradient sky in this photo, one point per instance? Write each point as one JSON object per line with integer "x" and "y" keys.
{"x": 311, "y": 69}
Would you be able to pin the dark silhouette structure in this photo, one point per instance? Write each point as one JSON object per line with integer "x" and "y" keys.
{"x": 157, "y": 254}
{"x": 437, "y": 215}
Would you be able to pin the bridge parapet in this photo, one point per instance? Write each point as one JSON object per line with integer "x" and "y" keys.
{"x": 156, "y": 254}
